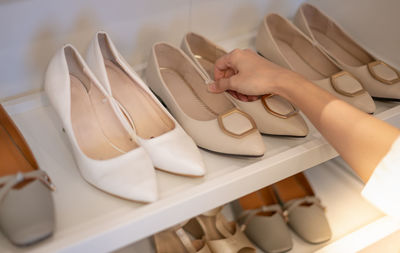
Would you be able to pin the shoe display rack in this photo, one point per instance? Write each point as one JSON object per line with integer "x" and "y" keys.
{"x": 89, "y": 220}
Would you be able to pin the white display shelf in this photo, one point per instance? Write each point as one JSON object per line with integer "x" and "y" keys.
{"x": 89, "y": 220}
{"x": 354, "y": 222}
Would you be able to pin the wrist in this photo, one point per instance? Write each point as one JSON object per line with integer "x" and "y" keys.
{"x": 290, "y": 83}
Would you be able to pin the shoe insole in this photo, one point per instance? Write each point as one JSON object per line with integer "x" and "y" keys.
{"x": 97, "y": 129}
{"x": 298, "y": 63}
{"x": 149, "y": 119}
{"x": 12, "y": 159}
{"x": 208, "y": 66}
{"x": 263, "y": 197}
{"x": 336, "y": 49}
{"x": 193, "y": 98}
{"x": 293, "y": 187}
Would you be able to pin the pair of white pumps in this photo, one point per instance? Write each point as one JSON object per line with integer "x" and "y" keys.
{"x": 118, "y": 130}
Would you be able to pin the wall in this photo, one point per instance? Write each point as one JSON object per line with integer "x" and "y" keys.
{"x": 32, "y": 30}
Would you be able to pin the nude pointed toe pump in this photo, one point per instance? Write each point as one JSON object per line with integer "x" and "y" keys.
{"x": 283, "y": 43}
{"x": 178, "y": 240}
{"x": 102, "y": 140}
{"x": 169, "y": 147}
{"x": 380, "y": 79}
{"x": 26, "y": 202}
{"x": 304, "y": 211}
{"x": 273, "y": 115}
{"x": 210, "y": 119}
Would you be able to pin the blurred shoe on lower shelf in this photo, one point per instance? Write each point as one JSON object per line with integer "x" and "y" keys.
{"x": 177, "y": 240}
{"x": 283, "y": 43}
{"x": 169, "y": 147}
{"x": 261, "y": 217}
{"x": 221, "y": 236}
{"x": 26, "y": 202}
{"x": 272, "y": 114}
{"x": 102, "y": 140}
{"x": 210, "y": 119}
{"x": 304, "y": 211}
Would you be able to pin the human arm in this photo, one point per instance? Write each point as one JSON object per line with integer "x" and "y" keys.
{"x": 359, "y": 138}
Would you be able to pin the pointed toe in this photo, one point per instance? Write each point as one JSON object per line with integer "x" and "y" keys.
{"x": 130, "y": 176}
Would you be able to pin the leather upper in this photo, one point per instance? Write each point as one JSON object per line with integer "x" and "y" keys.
{"x": 308, "y": 221}
{"x": 269, "y": 232}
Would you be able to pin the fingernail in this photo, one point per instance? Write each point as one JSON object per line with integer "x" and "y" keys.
{"x": 212, "y": 87}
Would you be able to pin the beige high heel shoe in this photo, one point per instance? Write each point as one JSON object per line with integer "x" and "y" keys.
{"x": 221, "y": 236}
{"x": 273, "y": 115}
{"x": 283, "y": 43}
{"x": 210, "y": 119}
{"x": 177, "y": 240}
{"x": 381, "y": 80}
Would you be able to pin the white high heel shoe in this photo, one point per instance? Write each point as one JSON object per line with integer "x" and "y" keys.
{"x": 169, "y": 147}
{"x": 103, "y": 142}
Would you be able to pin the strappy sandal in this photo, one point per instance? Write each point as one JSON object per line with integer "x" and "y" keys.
{"x": 177, "y": 240}
{"x": 221, "y": 236}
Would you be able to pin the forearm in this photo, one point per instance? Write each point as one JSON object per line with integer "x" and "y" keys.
{"x": 359, "y": 138}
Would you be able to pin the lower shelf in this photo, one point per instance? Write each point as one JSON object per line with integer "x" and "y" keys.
{"x": 346, "y": 210}
{"x": 89, "y": 220}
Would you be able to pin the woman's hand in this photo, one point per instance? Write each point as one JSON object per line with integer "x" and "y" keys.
{"x": 247, "y": 75}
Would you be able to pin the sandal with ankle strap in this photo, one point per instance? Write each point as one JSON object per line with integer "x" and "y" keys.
{"x": 221, "y": 236}
{"x": 177, "y": 240}
{"x": 26, "y": 203}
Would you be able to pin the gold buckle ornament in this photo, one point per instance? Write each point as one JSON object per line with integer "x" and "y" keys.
{"x": 343, "y": 92}
{"x": 230, "y": 133}
{"x": 371, "y": 66}
{"x": 277, "y": 114}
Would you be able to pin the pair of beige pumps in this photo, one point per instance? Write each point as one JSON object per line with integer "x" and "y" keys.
{"x": 322, "y": 52}
{"x": 216, "y": 122}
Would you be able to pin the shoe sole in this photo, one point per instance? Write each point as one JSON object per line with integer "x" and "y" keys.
{"x": 232, "y": 155}
{"x": 387, "y": 99}
{"x": 284, "y": 135}
{"x": 179, "y": 174}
